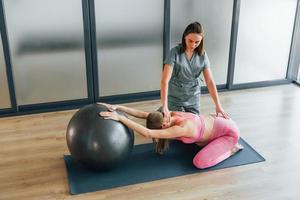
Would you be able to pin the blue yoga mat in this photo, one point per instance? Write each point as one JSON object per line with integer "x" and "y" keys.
{"x": 145, "y": 165}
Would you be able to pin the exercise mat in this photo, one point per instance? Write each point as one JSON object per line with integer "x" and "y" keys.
{"x": 145, "y": 165}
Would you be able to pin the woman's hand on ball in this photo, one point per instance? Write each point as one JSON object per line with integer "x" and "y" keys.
{"x": 110, "y": 115}
{"x": 108, "y": 106}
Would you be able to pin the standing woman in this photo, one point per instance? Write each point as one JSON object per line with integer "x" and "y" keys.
{"x": 180, "y": 88}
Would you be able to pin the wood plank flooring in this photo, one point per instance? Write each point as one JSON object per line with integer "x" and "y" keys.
{"x": 32, "y": 149}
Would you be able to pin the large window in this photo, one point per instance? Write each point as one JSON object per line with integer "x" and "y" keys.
{"x": 47, "y": 50}
{"x": 264, "y": 40}
{"x": 129, "y": 45}
{"x": 215, "y": 17}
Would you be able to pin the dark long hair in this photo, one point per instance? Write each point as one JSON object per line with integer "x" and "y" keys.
{"x": 194, "y": 27}
{"x": 154, "y": 121}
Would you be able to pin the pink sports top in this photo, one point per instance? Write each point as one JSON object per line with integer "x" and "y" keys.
{"x": 197, "y": 119}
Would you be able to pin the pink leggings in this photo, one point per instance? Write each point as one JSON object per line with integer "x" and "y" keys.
{"x": 225, "y": 135}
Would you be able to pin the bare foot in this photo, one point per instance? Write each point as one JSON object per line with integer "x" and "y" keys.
{"x": 236, "y": 148}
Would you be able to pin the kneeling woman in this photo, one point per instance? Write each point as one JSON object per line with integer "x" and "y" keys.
{"x": 218, "y": 136}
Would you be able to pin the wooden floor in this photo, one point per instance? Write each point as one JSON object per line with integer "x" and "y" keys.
{"x": 32, "y": 149}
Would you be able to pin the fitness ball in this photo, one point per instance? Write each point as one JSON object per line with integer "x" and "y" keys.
{"x": 98, "y": 143}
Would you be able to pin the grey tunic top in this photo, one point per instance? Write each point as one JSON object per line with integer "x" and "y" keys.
{"x": 184, "y": 87}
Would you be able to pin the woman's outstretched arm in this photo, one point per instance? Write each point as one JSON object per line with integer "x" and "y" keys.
{"x": 171, "y": 132}
{"x": 211, "y": 86}
{"x": 130, "y": 111}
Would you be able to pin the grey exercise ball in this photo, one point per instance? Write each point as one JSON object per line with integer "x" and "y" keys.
{"x": 98, "y": 143}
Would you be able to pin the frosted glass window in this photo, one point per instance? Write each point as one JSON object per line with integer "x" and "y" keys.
{"x": 47, "y": 50}
{"x": 264, "y": 39}
{"x": 4, "y": 92}
{"x": 298, "y": 77}
{"x": 215, "y": 16}
{"x": 129, "y": 45}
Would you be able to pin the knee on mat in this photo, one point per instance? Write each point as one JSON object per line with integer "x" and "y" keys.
{"x": 201, "y": 162}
